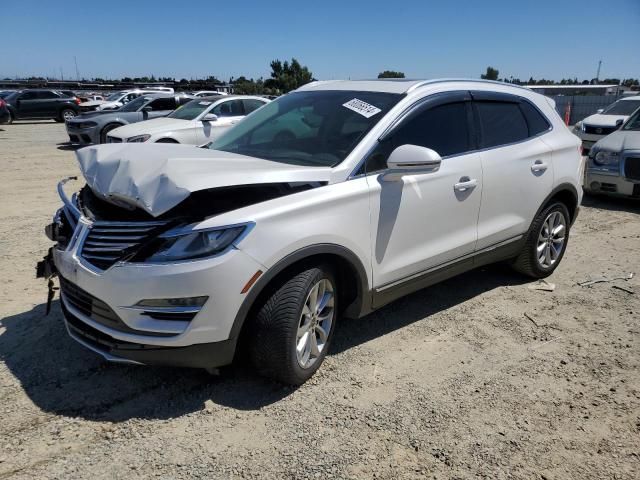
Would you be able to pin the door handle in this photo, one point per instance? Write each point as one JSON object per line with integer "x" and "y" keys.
{"x": 465, "y": 184}
{"x": 539, "y": 166}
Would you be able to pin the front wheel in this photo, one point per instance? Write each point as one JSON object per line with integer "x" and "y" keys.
{"x": 292, "y": 331}
{"x": 546, "y": 242}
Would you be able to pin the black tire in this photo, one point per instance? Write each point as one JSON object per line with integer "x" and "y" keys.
{"x": 273, "y": 331}
{"x": 106, "y": 130}
{"x": 527, "y": 262}
{"x": 167, "y": 140}
{"x": 66, "y": 111}
{"x": 10, "y": 120}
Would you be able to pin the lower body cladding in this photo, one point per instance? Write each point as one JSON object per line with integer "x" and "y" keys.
{"x": 83, "y": 136}
{"x": 128, "y": 313}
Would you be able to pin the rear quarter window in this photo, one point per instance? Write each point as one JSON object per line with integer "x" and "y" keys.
{"x": 536, "y": 121}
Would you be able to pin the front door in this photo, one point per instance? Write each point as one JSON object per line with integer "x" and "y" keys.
{"x": 229, "y": 112}
{"x": 423, "y": 222}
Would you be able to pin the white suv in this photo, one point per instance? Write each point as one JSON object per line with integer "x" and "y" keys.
{"x": 331, "y": 201}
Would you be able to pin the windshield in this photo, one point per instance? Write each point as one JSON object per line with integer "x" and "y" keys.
{"x": 5, "y": 94}
{"x": 114, "y": 97}
{"x": 633, "y": 123}
{"x": 134, "y": 105}
{"x": 190, "y": 110}
{"x": 308, "y": 128}
{"x": 622, "y": 107}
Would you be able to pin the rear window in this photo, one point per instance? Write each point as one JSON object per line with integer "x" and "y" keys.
{"x": 502, "y": 123}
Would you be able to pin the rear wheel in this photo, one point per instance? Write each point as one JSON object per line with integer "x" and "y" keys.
{"x": 66, "y": 114}
{"x": 10, "y": 120}
{"x": 292, "y": 330}
{"x": 546, "y": 242}
{"x": 106, "y": 130}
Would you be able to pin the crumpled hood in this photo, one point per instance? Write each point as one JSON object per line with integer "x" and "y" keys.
{"x": 619, "y": 141}
{"x": 600, "y": 120}
{"x": 157, "y": 177}
{"x": 151, "y": 127}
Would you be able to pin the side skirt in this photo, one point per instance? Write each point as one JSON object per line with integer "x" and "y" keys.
{"x": 495, "y": 253}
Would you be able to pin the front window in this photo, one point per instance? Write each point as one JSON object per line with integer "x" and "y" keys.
{"x": 191, "y": 110}
{"x": 634, "y": 122}
{"x": 308, "y": 128}
{"x": 135, "y": 105}
{"x": 622, "y": 107}
{"x": 114, "y": 97}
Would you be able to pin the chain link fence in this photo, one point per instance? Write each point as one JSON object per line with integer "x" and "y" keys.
{"x": 582, "y": 105}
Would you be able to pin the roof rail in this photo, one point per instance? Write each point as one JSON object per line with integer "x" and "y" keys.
{"x": 475, "y": 80}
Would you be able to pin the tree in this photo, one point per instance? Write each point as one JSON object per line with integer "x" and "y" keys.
{"x": 492, "y": 74}
{"x": 287, "y": 76}
{"x": 391, "y": 74}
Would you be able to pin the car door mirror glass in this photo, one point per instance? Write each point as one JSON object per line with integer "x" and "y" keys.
{"x": 619, "y": 123}
{"x": 412, "y": 160}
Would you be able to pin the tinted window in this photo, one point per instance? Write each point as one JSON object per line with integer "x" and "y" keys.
{"x": 443, "y": 128}
{"x": 232, "y": 108}
{"x": 251, "y": 104}
{"x": 163, "y": 104}
{"x": 46, "y": 95}
{"x": 502, "y": 123}
{"x": 29, "y": 96}
{"x": 622, "y": 107}
{"x": 537, "y": 123}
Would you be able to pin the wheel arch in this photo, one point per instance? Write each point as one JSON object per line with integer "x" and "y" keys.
{"x": 351, "y": 276}
{"x": 565, "y": 193}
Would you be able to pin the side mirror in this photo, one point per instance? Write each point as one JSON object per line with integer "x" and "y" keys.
{"x": 210, "y": 117}
{"x": 412, "y": 160}
{"x": 619, "y": 123}
{"x": 146, "y": 109}
{"x": 600, "y": 110}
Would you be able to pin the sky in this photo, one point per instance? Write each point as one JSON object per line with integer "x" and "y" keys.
{"x": 335, "y": 39}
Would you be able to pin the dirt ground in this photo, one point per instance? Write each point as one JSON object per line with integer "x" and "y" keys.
{"x": 479, "y": 377}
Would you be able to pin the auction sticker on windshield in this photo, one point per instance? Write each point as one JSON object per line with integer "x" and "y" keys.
{"x": 363, "y": 108}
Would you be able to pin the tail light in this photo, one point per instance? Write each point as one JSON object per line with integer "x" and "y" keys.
{"x": 2, "y": 103}
{"x": 77, "y": 100}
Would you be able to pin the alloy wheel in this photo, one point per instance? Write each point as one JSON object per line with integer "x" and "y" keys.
{"x": 551, "y": 239}
{"x": 315, "y": 323}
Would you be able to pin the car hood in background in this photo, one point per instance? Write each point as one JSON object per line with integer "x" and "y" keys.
{"x": 158, "y": 177}
{"x": 600, "y": 120}
{"x": 151, "y": 127}
{"x": 93, "y": 103}
{"x": 619, "y": 141}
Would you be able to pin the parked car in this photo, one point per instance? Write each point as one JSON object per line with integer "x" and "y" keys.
{"x": 116, "y": 100}
{"x": 93, "y": 127}
{"x": 606, "y": 121}
{"x": 613, "y": 167}
{"x": 174, "y": 254}
{"x": 5, "y": 116}
{"x": 197, "y": 122}
{"x": 207, "y": 93}
{"x": 6, "y": 93}
{"x": 40, "y": 103}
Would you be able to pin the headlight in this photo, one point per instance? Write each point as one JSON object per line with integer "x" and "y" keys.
{"x": 606, "y": 158}
{"x": 85, "y": 124}
{"x": 180, "y": 245}
{"x": 579, "y": 126}
{"x": 138, "y": 139}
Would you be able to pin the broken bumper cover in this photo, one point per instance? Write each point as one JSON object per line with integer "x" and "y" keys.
{"x": 205, "y": 355}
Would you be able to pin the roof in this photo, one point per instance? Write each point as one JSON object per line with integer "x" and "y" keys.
{"x": 388, "y": 85}
{"x": 570, "y": 86}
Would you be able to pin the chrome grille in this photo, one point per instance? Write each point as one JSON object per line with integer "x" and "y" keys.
{"x": 107, "y": 242}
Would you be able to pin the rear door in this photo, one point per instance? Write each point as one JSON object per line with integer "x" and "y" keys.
{"x": 516, "y": 164}
{"x": 27, "y": 105}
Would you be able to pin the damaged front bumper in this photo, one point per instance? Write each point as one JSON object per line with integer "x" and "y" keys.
{"x": 103, "y": 311}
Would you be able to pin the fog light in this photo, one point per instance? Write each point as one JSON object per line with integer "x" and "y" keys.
{"x": 595, "y": 186}
{"x": 172, "y": 302}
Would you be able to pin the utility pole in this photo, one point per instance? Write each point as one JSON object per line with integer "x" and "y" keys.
{"x": 75, "y": 60}
{"x": 598, "y": 73}
{"x": 61, "y": 75}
